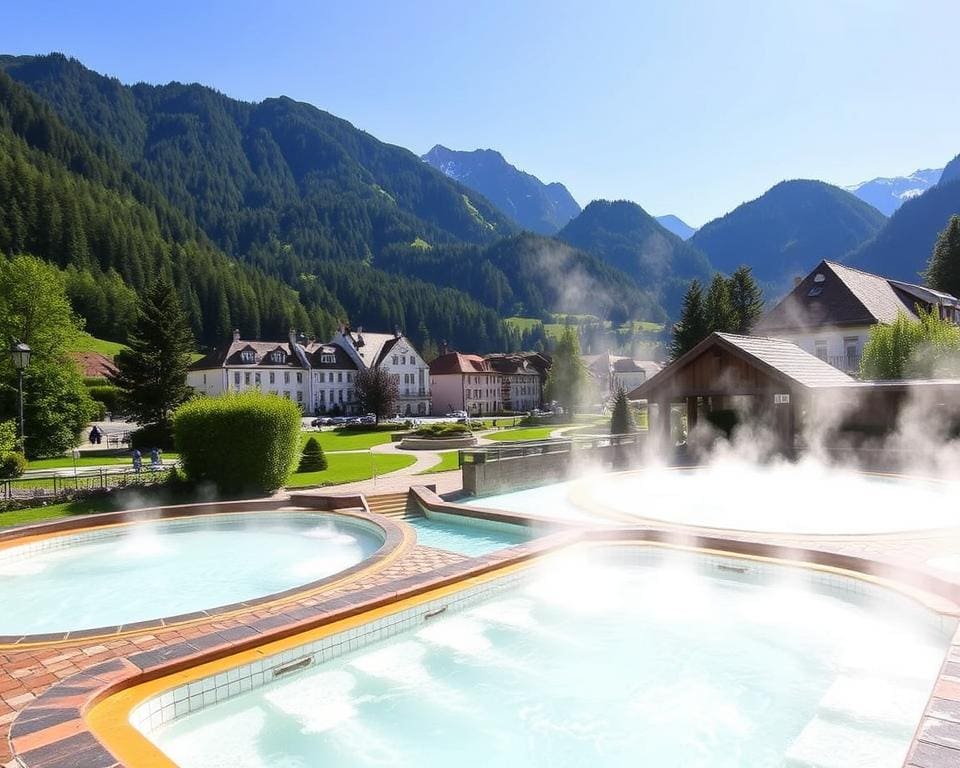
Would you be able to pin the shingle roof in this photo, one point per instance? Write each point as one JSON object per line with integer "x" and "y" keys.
{"x": 788, "y": 359}
{"x": 231, "y": 356}
{"x": 317, "y": 351}
{"x": 844, "y": 296}
{"x": 779, "y": 358}
{"x": 455, "y": 362}
{"x": 375, "y": 346}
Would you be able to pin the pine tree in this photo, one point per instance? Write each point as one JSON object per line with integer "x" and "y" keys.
{"x": 746, "y": 299}
{"x": 152, "y": 369}
{"x": 621, "y": 421}
{"x": 943, "y": 270}
{"x": 692, "y": 328}
{"x": 719, "y": 307}
{"x": 312, "y": 458}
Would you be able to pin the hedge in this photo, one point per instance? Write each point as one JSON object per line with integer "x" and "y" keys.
{"x": 242, "y": 443}
{"x": 442, "y": 430}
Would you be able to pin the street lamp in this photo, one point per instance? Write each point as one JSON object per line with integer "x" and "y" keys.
{"x": 20, "y": 357}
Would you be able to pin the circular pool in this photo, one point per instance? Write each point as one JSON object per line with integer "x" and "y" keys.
{"x": 117, "y": 575}
{"x": 804, "y": 499}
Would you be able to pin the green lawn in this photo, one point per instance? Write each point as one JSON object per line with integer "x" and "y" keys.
{"x": 66, "y": 462}
{"x": 350, "y": 467}
{"x": 524, "y": 433}
{"x": 87, "y": 343}
{"x": 332, "y": 440}
{"x": 449, "y": 460}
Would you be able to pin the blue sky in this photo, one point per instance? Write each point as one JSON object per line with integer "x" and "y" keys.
{"x": 685, "y": 107}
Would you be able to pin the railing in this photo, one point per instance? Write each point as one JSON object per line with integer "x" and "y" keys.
{"x": 846, "y": 363}
{"x": 55, "y": 482}
{"x": 487, "y": 454}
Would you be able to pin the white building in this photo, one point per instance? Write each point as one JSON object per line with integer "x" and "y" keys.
{"x": 521, "y": 386}
{"x": 830, "y": 312}
{"x": 395, "y": 354}
{"x": 289, "y": 370}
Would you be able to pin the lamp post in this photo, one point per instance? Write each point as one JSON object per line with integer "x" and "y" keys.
{"x": 20, "y": 357}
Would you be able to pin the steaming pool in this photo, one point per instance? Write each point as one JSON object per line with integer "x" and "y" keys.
{"x": 807, "y": 499}
{"x": 164, "y": 568}
{"x": 630, "y": 656}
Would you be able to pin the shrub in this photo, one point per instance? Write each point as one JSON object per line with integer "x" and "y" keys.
{"x": 12, "y": 464}
{"x": 108, "y": 395}
{"x": 367, "y": 428}
{"x": 443, "y": 430}
{"x": 153, "y": 436}
{"x": 312, "y": 458}
{"x": 241, "y": 443}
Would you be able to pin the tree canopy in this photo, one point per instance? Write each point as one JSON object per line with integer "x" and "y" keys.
{"x": 567, "y": 377}
{"x": 925, "y": 348}
{"x": 943, "y": 270}
{"x": 152, "y": 370}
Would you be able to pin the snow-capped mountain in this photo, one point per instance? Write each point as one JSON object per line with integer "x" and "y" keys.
{"x": 538, "y": 207}
{"x": 888, "y": 194}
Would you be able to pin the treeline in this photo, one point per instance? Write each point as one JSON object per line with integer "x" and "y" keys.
{"x": 527, "y": 275}
{"x": 51, "y": 208}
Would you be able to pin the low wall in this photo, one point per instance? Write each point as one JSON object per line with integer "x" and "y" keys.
{"x": 436, "y": 444}
{"x": 518, "y": 465}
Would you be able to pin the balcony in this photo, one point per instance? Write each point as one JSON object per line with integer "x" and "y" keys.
{"x": 846, "y": 363}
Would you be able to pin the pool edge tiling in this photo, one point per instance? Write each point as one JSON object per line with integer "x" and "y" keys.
{"x": 396, "y": 540}
{"x": 46, "y": 690}
{"x": 49, "y": 726}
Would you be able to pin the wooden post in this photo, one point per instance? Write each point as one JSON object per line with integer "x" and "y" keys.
{"x": 691, "y": 413}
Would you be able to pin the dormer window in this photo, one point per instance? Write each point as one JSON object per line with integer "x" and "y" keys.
{"x": 328, "y": 358}
{"x": 278, "y": 356}
{"x": 248, "y": 356}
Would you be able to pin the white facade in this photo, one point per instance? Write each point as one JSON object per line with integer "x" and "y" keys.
{"x": 841, "y": 347}
{"x": 274, "y": 368}
{"x": 393, "y": 353}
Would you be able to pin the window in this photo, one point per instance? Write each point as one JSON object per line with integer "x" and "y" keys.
{"x": 815, "y": 291}
{"x": 328, "y": 358}
{"x": 330, "y": 377}
{"x": 299, "y": 396}
{"x": 246, "y": 378}
{"x": 256, "y": 378}
{"x": 273, "y": 377}
{"x": 286, "y": 377}
{"x": 236, "y": 378}
{"x": 204, "y": 379}
{"x": 286, "y": 394}
{"x": 395, "y": 358}
{"x": 248, "y": 356}
{"x": 278, "y": 356}
{"x": 321, "y": 396}
{"x": 299, "y": 377}
{"x": 349, "y": 377}
{"x": 820, "y": 349}
{"x": 403, "y": 360}
{"x": 339, "y": 377}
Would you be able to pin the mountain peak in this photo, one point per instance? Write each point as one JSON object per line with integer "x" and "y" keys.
{"x": 535, "y": 206}
{"x": 888, "y": 193}
{"x": 786, "y": 230}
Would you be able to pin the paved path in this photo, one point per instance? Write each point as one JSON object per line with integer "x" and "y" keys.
{"x": 424, "y": 459}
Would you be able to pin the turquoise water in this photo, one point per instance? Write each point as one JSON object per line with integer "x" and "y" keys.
{"x": 802, "y": 498}
{"x": 164, "y": 568}
{"x": 463, "y": 538}
{"x": 593, "y": 664}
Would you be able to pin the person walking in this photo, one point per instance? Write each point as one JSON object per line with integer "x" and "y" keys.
{"x": 137, "y": 460}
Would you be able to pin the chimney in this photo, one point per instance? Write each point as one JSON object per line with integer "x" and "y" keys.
{"x": 236, "y": 334}
{"x": 293, "y": 337}
{"x": 442, "y": 349}
{"x": 397, "y": 333}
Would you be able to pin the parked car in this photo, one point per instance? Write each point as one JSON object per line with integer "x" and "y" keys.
{"x": 321, "y": 421}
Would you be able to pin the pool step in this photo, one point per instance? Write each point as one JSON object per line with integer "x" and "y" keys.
{"x": 827, "y": 744}
{"x": 389, "y": 505}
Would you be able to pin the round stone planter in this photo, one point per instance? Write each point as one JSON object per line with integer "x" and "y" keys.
{"x": 437, "y": 444}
